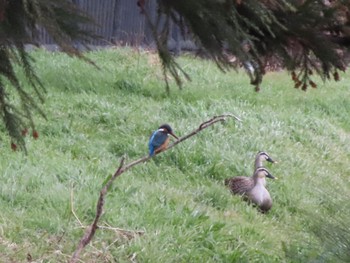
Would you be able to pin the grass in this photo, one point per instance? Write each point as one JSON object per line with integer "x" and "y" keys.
{"x": 178, "y": 199}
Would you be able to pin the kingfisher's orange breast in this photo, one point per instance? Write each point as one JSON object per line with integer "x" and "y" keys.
{"x": 163, "y": 146}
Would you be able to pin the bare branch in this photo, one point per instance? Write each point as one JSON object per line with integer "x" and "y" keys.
{"x": 203, "y": 126}
{"x": 90, "y": 231}
{"x": 124, "y": 232}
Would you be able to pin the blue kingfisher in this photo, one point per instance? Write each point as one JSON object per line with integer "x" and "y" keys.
{"x": 159, "y": 139}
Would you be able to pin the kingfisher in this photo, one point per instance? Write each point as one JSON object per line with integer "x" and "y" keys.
{"x": 159, "y": 139}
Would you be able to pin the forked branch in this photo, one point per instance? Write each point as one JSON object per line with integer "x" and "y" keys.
{"x": 91, "y": 230}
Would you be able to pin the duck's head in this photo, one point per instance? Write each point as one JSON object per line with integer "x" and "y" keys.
{"x": 262, "y": 173}
{"x": 263, "y": 156}
{"x": 167, "y": 129}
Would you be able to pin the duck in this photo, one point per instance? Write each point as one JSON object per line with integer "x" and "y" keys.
{"x": 260, "y": 157}
{"x": 253, "y": 188}
{"x": 239, "y": 184}
{"x": 259, "y": 195}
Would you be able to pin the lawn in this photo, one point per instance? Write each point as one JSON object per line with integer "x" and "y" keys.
{"x": 175, "y": 207}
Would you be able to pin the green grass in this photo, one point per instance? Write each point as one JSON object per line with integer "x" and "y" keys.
{"x": 95, "y": 117}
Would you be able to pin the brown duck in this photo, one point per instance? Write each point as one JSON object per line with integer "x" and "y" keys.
{"x": 260, "y": 157}
{"x": 240, "y": 184}
{"x": 253, "y": 188}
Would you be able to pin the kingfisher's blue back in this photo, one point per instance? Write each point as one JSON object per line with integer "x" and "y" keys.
{"x": 158, "y": 138}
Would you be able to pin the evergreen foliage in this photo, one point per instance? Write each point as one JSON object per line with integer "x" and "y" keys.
{"x": 305, "y": 36}
{"x": 20, "y": 22}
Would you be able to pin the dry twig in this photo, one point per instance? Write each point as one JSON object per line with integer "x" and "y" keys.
{"x": 91, "y": 230}
{"x": 125, "y": 232}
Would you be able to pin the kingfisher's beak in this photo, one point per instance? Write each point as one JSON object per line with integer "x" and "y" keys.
{"x": 171, "y": 133}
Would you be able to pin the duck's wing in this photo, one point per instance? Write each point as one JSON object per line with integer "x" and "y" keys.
{"x": 240, "y": 184}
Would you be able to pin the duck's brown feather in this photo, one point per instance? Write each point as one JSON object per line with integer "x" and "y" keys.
{"x": 240, "y": 184}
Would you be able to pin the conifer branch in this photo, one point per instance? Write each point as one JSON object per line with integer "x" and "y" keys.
{"x": 161, "y": 39}
{"x": 91, "y": 230}
{"x": 20, "y": 23}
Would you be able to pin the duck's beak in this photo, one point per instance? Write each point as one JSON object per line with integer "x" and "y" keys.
{"x": 172, "y": 134}
{"x": 270, "y": 160}
{"x": 271, "y": 176}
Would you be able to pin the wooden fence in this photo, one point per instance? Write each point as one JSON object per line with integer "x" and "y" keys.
{"x": 119, "y": 22}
